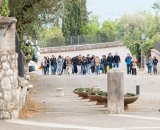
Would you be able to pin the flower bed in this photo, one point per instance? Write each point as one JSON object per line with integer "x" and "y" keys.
{"x": 101, "y": 96}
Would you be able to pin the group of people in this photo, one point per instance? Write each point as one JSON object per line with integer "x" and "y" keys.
{"x": 152, "y": 65}
{"x": 132, "y": 64}
{"x": 80, "y": 64}
{"x": 93, "y": 64}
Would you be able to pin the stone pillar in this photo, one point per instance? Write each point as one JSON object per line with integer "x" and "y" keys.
{"x": 8, "y": 40}
{"x": 115, "y": 87}
{"x": 9, "y": 107}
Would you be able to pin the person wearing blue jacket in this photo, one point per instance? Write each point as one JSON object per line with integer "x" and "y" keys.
{"x": 128, "y": 61}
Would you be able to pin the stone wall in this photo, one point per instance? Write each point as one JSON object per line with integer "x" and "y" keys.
{"x": 157, "y": 54}
{"x": 13, "y": 89}
{"x": 80, "y": 47}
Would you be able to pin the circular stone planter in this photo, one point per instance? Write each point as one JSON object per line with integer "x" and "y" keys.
{"x": 100, "y": 99}
{"x": 84, "y": 95}
{"x": 129, "y": 100}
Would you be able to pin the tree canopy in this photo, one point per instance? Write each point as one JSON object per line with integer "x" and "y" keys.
{"x": 74, "y": 17}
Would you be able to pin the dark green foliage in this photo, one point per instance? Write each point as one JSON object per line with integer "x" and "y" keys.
{"x": 74, "y": 17}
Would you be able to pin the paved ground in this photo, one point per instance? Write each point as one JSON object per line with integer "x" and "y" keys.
{"x": 72, "y": 113}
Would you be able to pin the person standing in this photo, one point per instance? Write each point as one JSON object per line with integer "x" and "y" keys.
{"x": 97, "y": 65}
{"x": 48, "y": 65}
{"x": 44, "y": 65}
{"x": 79, "y": 64}
{"x": 88, "y": 64}
{"x": 68, "y": 65}
{"x": 128, "y": 61}
{"x": 93, "y": 64}
{"x": 60, "y": 62}
{"x": 134, "y": 65}
{"x": 53, "y": 65}
{"x": 150, "y": 65}
{"x": 110, "y": 60}
{"x": 116, "y": 60}
{"x": 74, "y": 65}
{"x": 84, "y": 65}
{"x": 102, "y": 64}
{"x": 155, "y": 62}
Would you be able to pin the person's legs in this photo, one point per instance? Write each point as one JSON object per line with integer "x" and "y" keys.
{"x": 135, "y": 71}
{"x": 130, "y": 69}
{"x": 52, "y": 70}
{"x": 88, "y": 68}
{"x": 44, "y": 70}
{"x": 84, "y": 68}
{"x": 127, "y": 69}
{"x": 103, "y": 68}
{"x": 116, "y": 65}
{"x": 55, "y": 69}
{"x": 79, "y": 69}
{"x": 150, "y": 70}
{"x": 99, "y": 70}
{"x": 110, "y": 65}
{"x": 156, "y": 69}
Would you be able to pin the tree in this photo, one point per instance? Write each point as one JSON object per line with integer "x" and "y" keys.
{"x": 51, "y": 37}
{"x": 131, "y": 27}
{"x": 4, "y": 9}
{"x": 108, "y": 31}
{"x": 92, "y": 26}
{"x": 74, "y": 17}
{"x": 33, "y": 14}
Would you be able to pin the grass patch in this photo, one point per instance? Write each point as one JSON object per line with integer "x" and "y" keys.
{"x": 31, "y": 109}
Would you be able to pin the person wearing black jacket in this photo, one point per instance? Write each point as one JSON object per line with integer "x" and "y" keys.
{"x": 105, "y": 62}
{"x": 117, "y": 60}
{"x": 155, "y": 62}
{"x": 53, "y": 65}
{"x": 84, "y": 65}
{"x": 74, "y": 65}
{"x": 110, "y": 60}
{"x": 48, "y": 64}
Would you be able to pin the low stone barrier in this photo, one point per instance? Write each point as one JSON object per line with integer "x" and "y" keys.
{"x": 13, "y": 89}
{"x": 157, "y": 54}
{"x": 80, "y": 47}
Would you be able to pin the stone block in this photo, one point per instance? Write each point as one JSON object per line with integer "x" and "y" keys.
{"x": 1, "y": 95}
{"x": 11, "y": 106}
{"x": 13, "y": 57}
{"x": 6, "y": 84}
{"x": 115, "y": 89}
{"x": 5, "y": 115}
{"x": 5, "y": 65}
{"x": 2, "y": 105}
{"x": 15, "y": 114}
{"x": 2, "y": 73}
{"x": 9, "y": 72}
{"x": 7, "y": 95}
{"x": 4, "y": 58}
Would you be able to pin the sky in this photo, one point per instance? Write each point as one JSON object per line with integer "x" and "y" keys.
{"x": 113, "y": 9}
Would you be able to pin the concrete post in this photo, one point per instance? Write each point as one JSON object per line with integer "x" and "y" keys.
{"x": 115, "y": 87}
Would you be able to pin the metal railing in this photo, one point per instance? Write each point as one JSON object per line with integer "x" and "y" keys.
{"x": 74, "y": 40}
{"x": 21, "y": 58}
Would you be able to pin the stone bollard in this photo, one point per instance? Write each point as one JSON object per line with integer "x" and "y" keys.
{"x": 59, "y": 92}
{"x": 115, "y": 87}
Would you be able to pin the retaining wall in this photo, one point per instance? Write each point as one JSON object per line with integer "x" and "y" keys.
{"x": 80, "y": 47}
{"x": 13, "y": 89}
